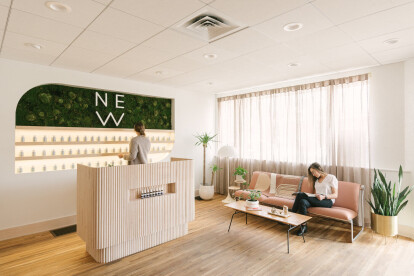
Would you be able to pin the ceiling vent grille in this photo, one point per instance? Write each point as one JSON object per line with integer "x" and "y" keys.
{"x": 208, "y": 26}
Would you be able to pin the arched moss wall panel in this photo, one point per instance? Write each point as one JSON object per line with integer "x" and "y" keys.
{"x": 67, "y": 106}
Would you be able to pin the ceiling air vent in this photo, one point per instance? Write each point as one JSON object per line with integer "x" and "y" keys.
{"x": 208, "y": 26}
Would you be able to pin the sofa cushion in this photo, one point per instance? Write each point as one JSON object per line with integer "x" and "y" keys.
{"x": 278, "y": 201}
{"x": 334, "y": 212}
{"x": 348, "y": 195}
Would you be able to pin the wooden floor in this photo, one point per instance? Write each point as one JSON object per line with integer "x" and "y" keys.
{"x": 258, "y": 248}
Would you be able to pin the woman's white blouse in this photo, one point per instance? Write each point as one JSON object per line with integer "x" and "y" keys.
{"x": 325, "y": 187}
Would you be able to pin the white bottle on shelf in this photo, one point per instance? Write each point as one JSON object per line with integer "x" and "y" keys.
{"x": 34, "y": 138}
{"x": 70, "y": 152}
{"x": 85, "y": 138}
{"x": 78, "y": 151}
{"x": 99, "y": 151}
{"x": 92, "y": 138}
{"x": 53, "y": 152}
{"x": 55, "y": 167}
{"x": 44, "y": 168}
{"x": 63, "y": 167}
{"x": 126, "y": 138}
{"x": 22, "y": 139}
{"x": 85, "y": 151}
{"x": 44, "y": 153}
{"x": 21, "y": 154}
{"x": 62, "y": 139}
{"x": 69, "y": 138}
{"x": 119, "y": 138}
{"x": 106, "y": 138}
{"x": 20, "y": 170}
{"x": 45, "y": 139}
{"x": 72, "y": 166}
{"x": 93, "y": 151}
{"x": 98, "y": 138}
{"x": 32, "y": 169}
{"x": 33, "y": 153}
{"x": 62, "y": 152}
{"x": 77, "y": 138}
{"x": 106, "y": 150}
{"x": 54, "y": 138}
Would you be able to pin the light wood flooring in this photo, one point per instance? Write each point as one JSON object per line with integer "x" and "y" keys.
{"x": 258, "y": 248}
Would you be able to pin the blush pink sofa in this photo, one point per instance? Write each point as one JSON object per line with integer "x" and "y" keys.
{"x": 345, "y": 208}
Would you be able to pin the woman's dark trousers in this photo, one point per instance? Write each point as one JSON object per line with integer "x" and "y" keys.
{"x": 303, "y": 202}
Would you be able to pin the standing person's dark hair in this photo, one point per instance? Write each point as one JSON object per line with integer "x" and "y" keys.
{"x": 140, "y": 128}
{"x": 316, "y": 166}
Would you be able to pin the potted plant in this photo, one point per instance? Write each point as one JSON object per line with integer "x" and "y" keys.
{"x": 207, "y": 192}
{"x": 386, "y": 202}
{"x": 252, "y": 201}
{"x": 205, "y": 139}
{"x": 240, "y": 174}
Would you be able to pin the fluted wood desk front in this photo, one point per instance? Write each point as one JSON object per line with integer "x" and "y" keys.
{"x": 113, "y": 219}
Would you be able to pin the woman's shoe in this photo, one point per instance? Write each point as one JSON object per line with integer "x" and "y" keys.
{"x": 300, "y": 232}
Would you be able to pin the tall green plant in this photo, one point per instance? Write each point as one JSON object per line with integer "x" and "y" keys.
{"x": 388, "y": 200}
{"x": 204, "y": 139}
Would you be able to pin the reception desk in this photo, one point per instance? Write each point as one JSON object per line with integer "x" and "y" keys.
{"x": 115, "y": 221}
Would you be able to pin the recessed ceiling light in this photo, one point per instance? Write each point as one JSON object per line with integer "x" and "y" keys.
{"x": 58, "y": 7}
{"x": 293, "y": 64}
{"x": 35, "y": 46}
{"x": 291, "y": 27}
{"x": 210, "y": 56}
{"x": 391, "y": 41}
{"x": 158, "y": 73}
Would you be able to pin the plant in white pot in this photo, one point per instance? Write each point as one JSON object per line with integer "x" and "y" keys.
{"x": 241, "y": 174}
{"x": 206, "y": 191}
{"x": 386, "y": 202}
{"x": 252, "y": 198}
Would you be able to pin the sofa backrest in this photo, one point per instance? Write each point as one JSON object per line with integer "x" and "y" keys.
{"x": 348, "y": 192}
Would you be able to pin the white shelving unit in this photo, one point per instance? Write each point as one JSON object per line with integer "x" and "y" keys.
{"x": 39, "y": 149}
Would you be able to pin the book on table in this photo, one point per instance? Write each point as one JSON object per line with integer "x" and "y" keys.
{"x": 254, "y": 208}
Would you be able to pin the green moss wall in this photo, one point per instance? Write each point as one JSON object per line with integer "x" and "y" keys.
{"x": 66, "y": 106}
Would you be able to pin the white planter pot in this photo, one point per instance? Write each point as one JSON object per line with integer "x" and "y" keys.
{"x": 252, "y": 204}
{"x": 239, "y": 178}
{"x": 206, "y": 192}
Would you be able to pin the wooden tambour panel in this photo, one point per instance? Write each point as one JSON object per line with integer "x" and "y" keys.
{"x": 113, "y": 224}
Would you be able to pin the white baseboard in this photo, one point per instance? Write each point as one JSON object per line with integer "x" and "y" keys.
{"x": 406, "y": 231}
{"x": 38, "y": 227}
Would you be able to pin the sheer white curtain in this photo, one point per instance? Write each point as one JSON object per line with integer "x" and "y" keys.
{"x": 289, "y": 128}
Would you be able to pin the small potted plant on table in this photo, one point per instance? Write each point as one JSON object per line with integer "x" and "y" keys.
{"x": 252, "y": 198}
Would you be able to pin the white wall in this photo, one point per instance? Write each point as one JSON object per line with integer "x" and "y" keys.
{"x": 391, "y": 122}
{"x": 30, "y": 198}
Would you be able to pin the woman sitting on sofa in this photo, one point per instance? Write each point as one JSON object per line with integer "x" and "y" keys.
{"x": 326, "y": 190}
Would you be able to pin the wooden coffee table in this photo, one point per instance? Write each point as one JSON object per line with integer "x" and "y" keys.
{"x": 293, "y": 221}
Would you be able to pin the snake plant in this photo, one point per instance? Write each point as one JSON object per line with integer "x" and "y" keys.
{"x": 387, "y": 199}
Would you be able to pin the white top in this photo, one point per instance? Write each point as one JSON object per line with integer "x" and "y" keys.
{"x": 325, "y": 187}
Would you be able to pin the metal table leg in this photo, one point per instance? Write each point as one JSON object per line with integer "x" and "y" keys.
{"x": 291, "y": 228}
{"x": 236, "y": 212}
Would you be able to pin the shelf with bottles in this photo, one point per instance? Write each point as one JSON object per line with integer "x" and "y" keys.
{"x": 152, "y": 191}
{"x": 69, "y": 146}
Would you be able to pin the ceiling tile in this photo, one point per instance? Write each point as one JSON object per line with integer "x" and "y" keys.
{"x": 339, "y": 11}
{"x": 82, "y": 13}
{"x": 252, "y": 12}
{"x": 180, "y": 64}
{"x": 154, "y": 75}
{"x": 81, "y": 59}
{"x": 162, "y": 12}
{"x": 5, "y": 3}
{"x": 17, "y": 41}
{"x": 405, "y": 38}
{"x": 207, "y": 1}
{"x": 345, "y": 57}
{"x": 321, "y": 40}
{"x": 4, "y": 12}
{"x": 244, "y": 41}
{"x": 308, "y": 15}
{"x": 134, "y": 61}
{"x": 36, "y": 26}
{"x": 121, "y": 67}
{"x": 222, "y": 55}
{"x": 102, "y": 43}
{"x": 380, "y": 23}
{"x": 173, "y": 42}
{"x": 124, "y": 26}
{"x": 26, "y": 55}
{"x": 277, "y": 54}
{"x": 395, "y": 55}
{"x": 1, "y": 35}
{"x": 105, "y": 2}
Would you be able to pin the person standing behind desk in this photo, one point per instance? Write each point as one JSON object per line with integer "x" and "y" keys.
{"x": 139, "y": 147}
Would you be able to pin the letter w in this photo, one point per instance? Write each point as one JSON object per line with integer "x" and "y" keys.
{"x": 107, "y": 118}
